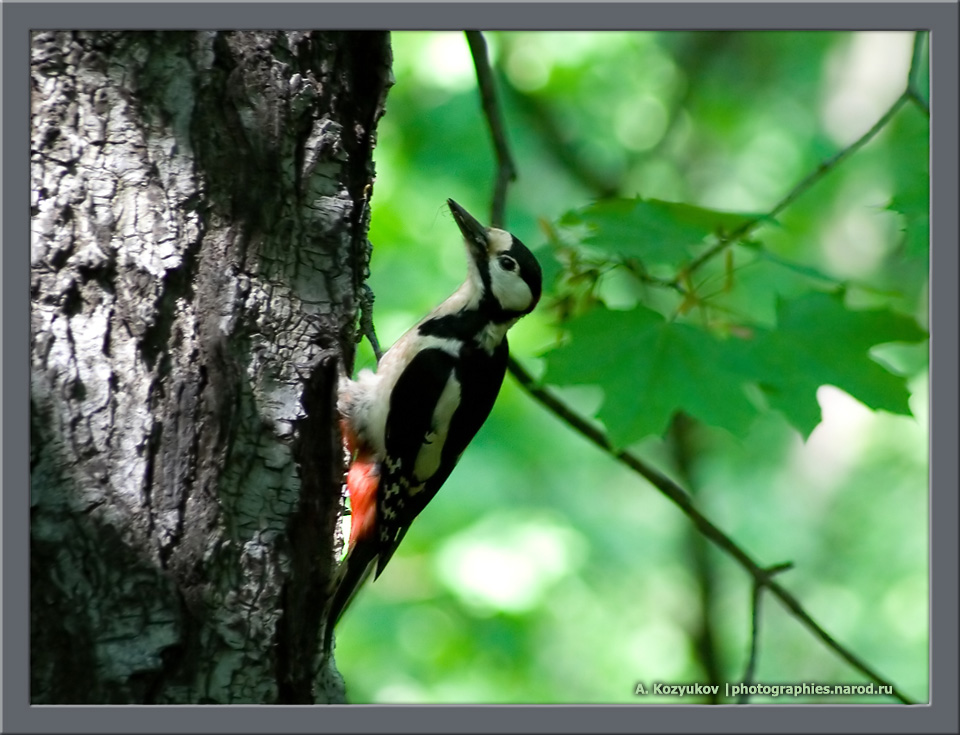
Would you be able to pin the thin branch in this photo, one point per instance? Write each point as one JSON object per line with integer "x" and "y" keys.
{"x": 549, "y": 130}
{"x": 366, "y": 320}
{"x": 682, "y": 499}
{"x": 506, "y": 172}
{"x": 755, "y": 628}
{"x": 754, "y": 640}
{"x": 909, "y": 94}
{"x": 915, "y": 57}
{"x": 634, "y": 267}
{"x": 693, "y": 59}
{"x": 762, "y": 577}
{"x": 797, "y": 191}
{"x": 915, "y": 61}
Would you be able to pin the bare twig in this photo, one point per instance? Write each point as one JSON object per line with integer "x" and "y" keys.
{"x": 578, "y": 164}
{"x": 506, "y": 172}
{"x": 755, "y": 628}
{"x": 549, "y": 130}
{"x": 634, "y": 267}
{"x": 366, "y": 320}
{"x": 797, "y": 191}
{"x": 915, "y": 60}
{"x": 762, "y": 577}
{"x": 754, "y": 640}
{"x": 910, "y": 94}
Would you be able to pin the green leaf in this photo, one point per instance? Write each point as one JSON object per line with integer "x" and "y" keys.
{"x": 804, "y": 270}
{"x": 910, "y": 141}
{"x": 651, "y": 230}
{"x": 650, "y": 368}
{"x": 913, "y": 205}
{"x": 916, "y": 229}
{"x": 819, "y": 341}
{"x": 550, "y": 266}
{"x": 912, "y": 201}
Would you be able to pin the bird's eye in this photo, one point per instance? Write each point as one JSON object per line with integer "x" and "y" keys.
{"x": 507, "y": 263}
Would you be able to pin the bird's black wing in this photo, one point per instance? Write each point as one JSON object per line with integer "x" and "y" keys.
{"x": 419, "y": 408}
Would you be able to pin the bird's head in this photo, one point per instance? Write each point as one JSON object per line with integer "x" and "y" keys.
{"x": 503, "y": 272}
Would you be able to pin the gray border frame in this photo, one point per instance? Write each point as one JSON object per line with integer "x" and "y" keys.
{"x": 939, "y": 716}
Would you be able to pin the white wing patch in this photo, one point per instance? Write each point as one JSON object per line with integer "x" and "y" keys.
{"x": 365, "y": 402}
{"x": 428, "y": 458}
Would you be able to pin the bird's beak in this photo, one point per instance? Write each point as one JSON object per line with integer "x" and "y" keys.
{"x": 473, "y": 232}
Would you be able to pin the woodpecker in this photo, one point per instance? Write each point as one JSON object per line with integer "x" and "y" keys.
{"x": 407, "y": 425}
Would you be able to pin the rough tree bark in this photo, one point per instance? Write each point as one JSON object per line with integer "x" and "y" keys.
{"x": 198, "y": 251}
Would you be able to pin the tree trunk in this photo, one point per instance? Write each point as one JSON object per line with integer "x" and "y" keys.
{"x": 200, "y": 210}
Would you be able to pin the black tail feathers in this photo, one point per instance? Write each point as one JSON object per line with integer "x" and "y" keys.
{"x": 351, "y": 575}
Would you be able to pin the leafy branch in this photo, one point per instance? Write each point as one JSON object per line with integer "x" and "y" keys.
{"x": 762, "y": 575}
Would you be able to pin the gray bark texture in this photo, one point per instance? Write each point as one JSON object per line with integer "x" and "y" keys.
{"x": 198, "y": 254}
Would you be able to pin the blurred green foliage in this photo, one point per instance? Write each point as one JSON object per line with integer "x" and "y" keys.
{"x": 546, "y": 572}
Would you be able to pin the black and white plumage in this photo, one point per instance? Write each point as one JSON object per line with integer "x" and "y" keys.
{"x": 407, "y": 425}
